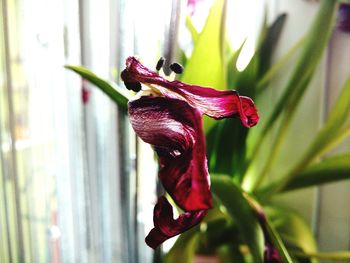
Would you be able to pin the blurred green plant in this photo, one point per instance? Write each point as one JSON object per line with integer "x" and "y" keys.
{"x": 232, "y": 230}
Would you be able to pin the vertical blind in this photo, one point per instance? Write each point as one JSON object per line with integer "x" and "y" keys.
{"x": 69, "y": 189}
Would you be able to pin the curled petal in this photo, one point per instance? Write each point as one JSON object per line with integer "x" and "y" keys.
{"x": 165, "y": 226}
{"x": 175, "y": 130}
{"x": 214, "y": 103}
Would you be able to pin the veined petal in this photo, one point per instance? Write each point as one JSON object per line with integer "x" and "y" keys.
{"x": 175, "y": 130}
{"x": 214, "y": 103}
{"x": 165, "y": 226}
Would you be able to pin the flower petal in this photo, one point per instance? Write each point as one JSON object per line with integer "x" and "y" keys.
{"x": 175, "y": 130}
{"x": 165, "y": 226}
{"x": 214, "y": 103}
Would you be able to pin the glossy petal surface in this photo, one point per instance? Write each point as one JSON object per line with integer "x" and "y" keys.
{"x": 165, "y": 226}
{"x": 214, "y": 103}
{"x": 174, "y": 128}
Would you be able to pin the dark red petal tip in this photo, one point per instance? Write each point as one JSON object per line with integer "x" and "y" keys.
{"x": 249, "y": 111}
{"x": 165, "y": 226}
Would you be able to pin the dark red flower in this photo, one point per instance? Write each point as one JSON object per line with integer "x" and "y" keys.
{"x": 168, "y": 115}
{"x": 166, "y": 227}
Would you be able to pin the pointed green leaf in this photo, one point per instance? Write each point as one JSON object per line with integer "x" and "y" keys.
{"x": 278, "y": 65}
{"x": 278, "y": 244}
{"x": 244, "y": 216}
{"x": 315, "y": 42}
{"x": 246, "y": 79}
{"x": 332, "y": 128}
{"x": 277, "y": 143}
{"x": 206, "y": 65}
{"x": 118, "y": 95}
{"x": 340, "y": 110}
{"x": 330, "y": 170}
{"x": 269, "y": 43}
{"x": 228, "y": 152}
{"x": 326, "y": 139}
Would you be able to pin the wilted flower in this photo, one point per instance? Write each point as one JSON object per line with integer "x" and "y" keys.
{"x": 168, "y": 115}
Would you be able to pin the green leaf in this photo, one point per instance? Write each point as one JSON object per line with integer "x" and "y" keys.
{"x": 244, "y": 216}
{"x": 228, "y": 152}
{"x": 278, "y": 65}
{"x": 184, "y": 248}
{"x": 206, "y": 65}
{"x": 246, "y": 80}
{"x": 277, "y": 143}
{"x": 118, "y": 95}
{"x": 327, "y": 138}
{"x": 278, "y": 244}
{"x": 269, "y": 43}
{"x": 315, "y": 43}
{"x": 216, "y": 233}
{"x": 332, "y": 129}
{"x": 293, "y": 230}
{"x": 327, "y": 171}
